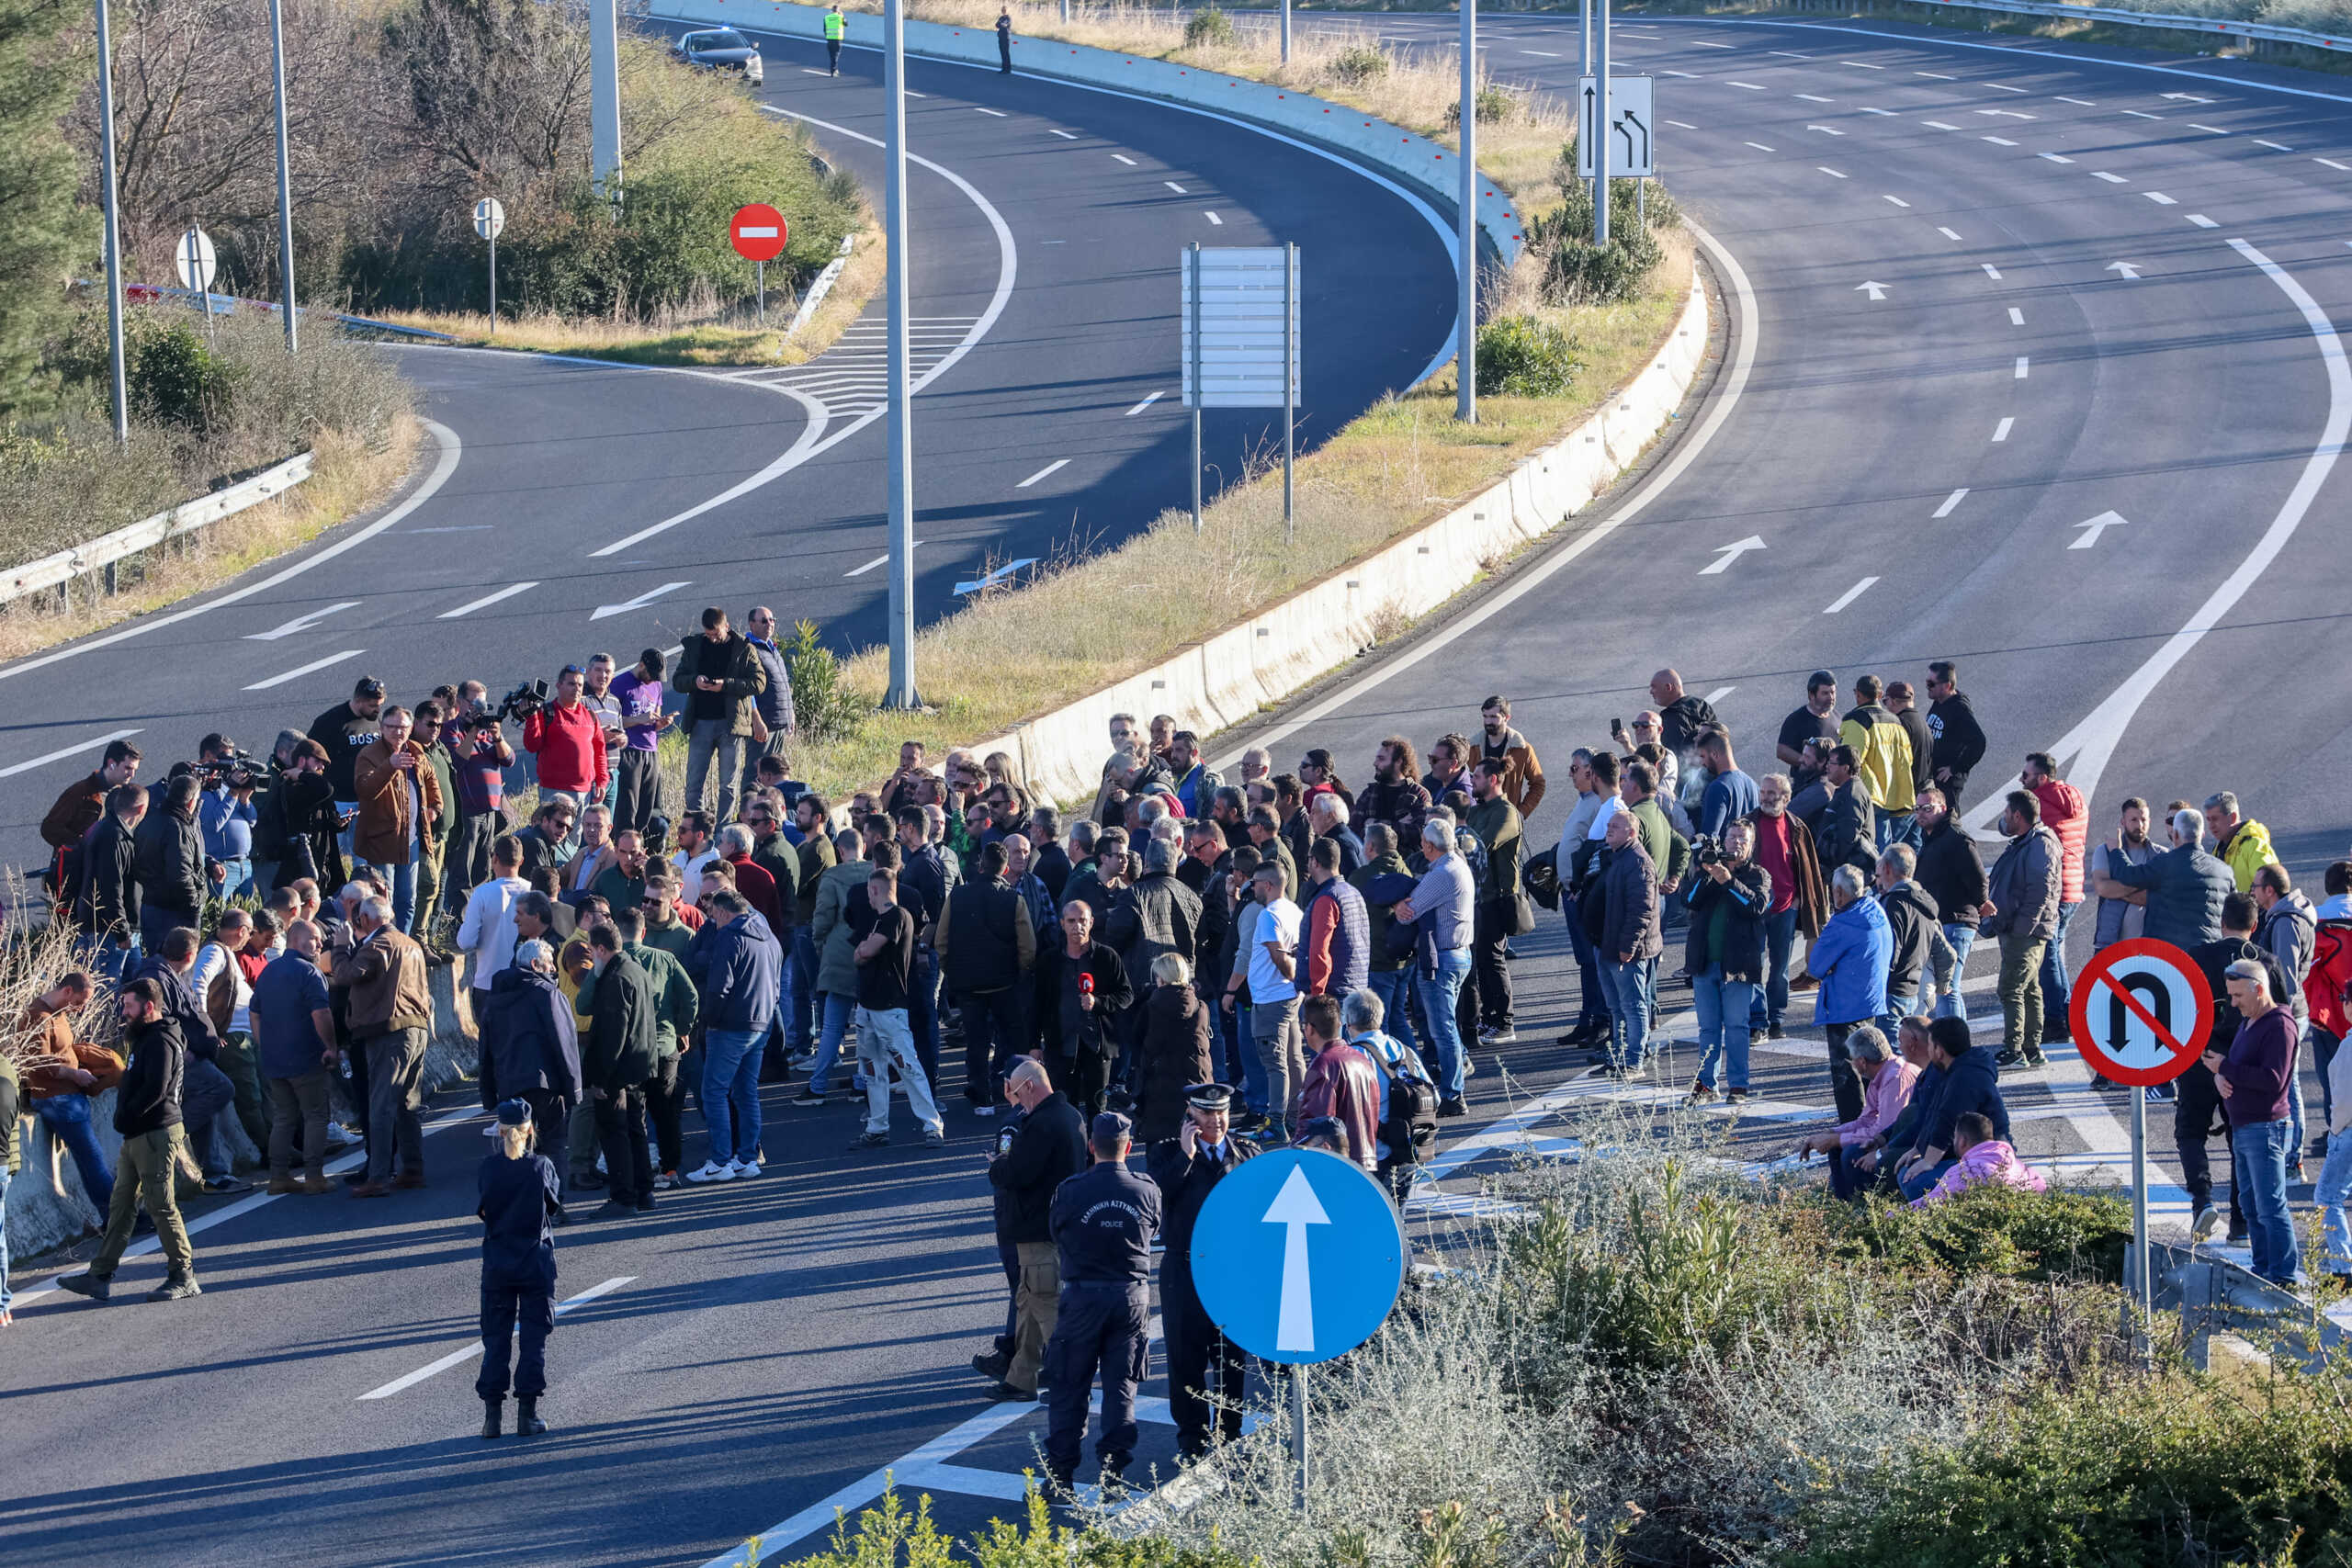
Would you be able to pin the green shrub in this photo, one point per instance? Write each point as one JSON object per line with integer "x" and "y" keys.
{"x": 1359, "y": 63}
{"x": 1576, "y": 271}
{"x": 173, "y": 379}
{"x": 1525, "y": 357}
{"x": 1497, "y": 105}
{"x": 824, "y": 706}
{"x": 1206, "y": 28}
{"x": 1993, "y": 1229}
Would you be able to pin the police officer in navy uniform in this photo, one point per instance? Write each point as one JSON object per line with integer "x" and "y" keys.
{"x": 1102, "y": 1223}
{"x": 1187, "y": 1168}
{"x": 520, "y": 1197}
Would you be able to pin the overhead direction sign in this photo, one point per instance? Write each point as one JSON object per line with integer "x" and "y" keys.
{"x": 758, "y": 232}
{"x": 2142, "y": 1012}
{"x": 1298, "y": 1256}
{"x": 1631, "y": 148}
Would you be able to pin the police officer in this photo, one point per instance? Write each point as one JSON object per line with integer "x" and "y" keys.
{"x": 1187, "y": 1168}
{"x": 520, "y": 1195}
{"x": 1103, "y": 1222}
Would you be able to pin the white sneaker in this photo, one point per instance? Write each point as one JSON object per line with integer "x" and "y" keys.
{"x": 489, "y": 1131}
{"x": 744, "y": 1169}
{"x": 984, "y": 1111}
{"x": 2207, "y": 1225}
{"x": 712, "y": 1171}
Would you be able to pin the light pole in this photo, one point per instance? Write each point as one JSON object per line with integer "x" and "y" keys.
{"x": 902, "y": 693}
{"x": 113, "y": 226}
{"x": 1600, "y": 128}
{"x": 604, "y": 97}
{"x": 285, "y": 179}
{"x": 1465, "y": 397}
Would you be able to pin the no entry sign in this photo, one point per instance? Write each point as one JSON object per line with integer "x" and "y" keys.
{"x": 2141, "y": 1013}
{"x": 758, "y": 232}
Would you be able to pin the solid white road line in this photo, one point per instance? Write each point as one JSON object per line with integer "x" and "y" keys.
{"x": 1950, "y": 502}
{"x": 1214, "y": 218}
{"x": 1991, "y": 271}
{"x": 1760, "y": 147}
{"x": 2201, "y": 221}
{"x": 64, "y": 751}
{"x": 1997, "y": 140}
{"x": 2016, "y": 317}
{"x": 1171, "y": 185}
{"x": 301, "y": 622}
{"x": 1946, "y": 233}
{"x": 1122, "y": 158}
{"x": 998, "y": 114}
{"x": 1898, "y": 201}
{"x": 2085, "y": 103}
{"x": 2333, "y": 164}
{"x": 1830, "y": 172}
{"x": 297, "y": 675}
{"x": 2021, "y": 368}
{"x": 486, "y": 601}
{"x": 2142, "y": 114}
{"x": 1938, "y": 125}
{"x": 2001, "y": 431}
{"x": 457, "y": 1358}
{"x": 1850, "y": 595}
{"x": 1066, "y": 135}
{"x": 1050, "y": 468}
{"x": 2057, "y": 158}
{"x": 1144, "y": 404}
{"x": 2274, "y": 146}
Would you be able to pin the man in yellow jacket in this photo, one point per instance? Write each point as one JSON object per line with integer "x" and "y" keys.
{"x": 836, "y": 25}
{"x": 2239, "y": 843}
{"x": 1883, "y": 753}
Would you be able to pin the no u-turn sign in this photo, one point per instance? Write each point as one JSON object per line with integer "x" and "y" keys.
{"x": 2141, "y": 1010}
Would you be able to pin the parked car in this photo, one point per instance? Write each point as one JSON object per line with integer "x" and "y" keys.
{"x": 721, "y": 48}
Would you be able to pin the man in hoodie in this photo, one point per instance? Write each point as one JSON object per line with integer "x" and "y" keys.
{"x": 735, "y": 964}
{"x": 530, "y": 1048}
{"x": 1970, "y": 1085}
{"x": 2239, "y": 843}
{"x": 1850, "y": 958}
{"x": 2065, "y": 813}
{"x": 2020, "y": 910}
{"x": 173, "y": 873}
{"x": 1914, "y": 927}
{"x": 1984, "y": 1158}
{"x": 1959, "y": 739}
{"x": 147, "y": 1114}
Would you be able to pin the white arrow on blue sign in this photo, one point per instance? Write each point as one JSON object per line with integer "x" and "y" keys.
{"x": 1298, "y": 1256}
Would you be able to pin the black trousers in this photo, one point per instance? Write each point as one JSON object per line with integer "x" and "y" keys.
{"x": 552, "y": 1121}
{"x": 2196, "y": 1117}
{"x": 1004, "y": 53}
{"x": 629, "y": 1159}
{"x": 504, "y": 1308}
{"x": 833, "y": 55}
{"x": 996, "y": 1030}
{"x": 1844, "y": 1083}
{"x": 1201, "y": 1360}
{"x": 1489, "y": 936}
{"x": 1086, "y": 1079}
{"x": 665, "y": 1099}
{"x": 1105, "y": 1328}
{"x": 636, "y": 792}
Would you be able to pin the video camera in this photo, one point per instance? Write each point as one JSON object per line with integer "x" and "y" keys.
{"x": 1707, "y": 850}
{"x": 523, "y": 701}
{"x": 238, "y": 770}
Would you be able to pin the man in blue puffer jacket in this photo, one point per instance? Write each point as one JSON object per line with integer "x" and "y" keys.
{"x": 1850, "y": 958}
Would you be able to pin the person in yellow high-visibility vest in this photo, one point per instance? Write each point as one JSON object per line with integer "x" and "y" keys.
{"x": 836, "y": 25}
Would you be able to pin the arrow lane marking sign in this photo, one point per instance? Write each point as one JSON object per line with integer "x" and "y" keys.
{"x": 301, "y": 622}
{"x": 1731, "y": 553}
{"x": 1875, "y": 289}
{"x": 2096, "y": 526}
{"x": 1296, "y": 1207}
{"x": 999, "y": 575}
{"x": 638, "y": 603}
{"x": 2129, "y": 269}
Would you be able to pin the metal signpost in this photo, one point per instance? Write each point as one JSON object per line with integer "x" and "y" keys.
{"x": 1298, "y": 1256}
{"x": 1465, "y": 350}
{"x": 1241, "y": 346}
{"x": 111, "y": 200}
{"x": 759, "y": 235}
{"x": 193, "y": 260}
{"x": 1596, "y": 101}
{"x": 2140, "y": 1015}
{"x": 898, "y": 431}
{"x": 489, "y": 219}
{"x": 285, "y": 175}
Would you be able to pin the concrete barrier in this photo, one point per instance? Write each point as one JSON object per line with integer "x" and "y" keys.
{"x": 1427, "y": 169}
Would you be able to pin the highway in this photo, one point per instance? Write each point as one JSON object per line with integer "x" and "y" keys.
{"x": 1916, "y": 468}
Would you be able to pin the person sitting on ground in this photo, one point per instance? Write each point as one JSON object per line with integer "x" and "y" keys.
{"x": 1970, "y": 1084}
{"x": 1887, "y": 1083}
{"x": 1983, "y": 1158}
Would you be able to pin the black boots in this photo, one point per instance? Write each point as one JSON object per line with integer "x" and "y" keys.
{"x": 492, "y": 1412}
{"x": 526, "y": 1417}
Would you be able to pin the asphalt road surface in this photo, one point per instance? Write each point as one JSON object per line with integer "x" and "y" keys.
{"x": 771, "y": 1350}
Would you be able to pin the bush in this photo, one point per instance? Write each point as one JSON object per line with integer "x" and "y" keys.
{"x": 1209, "y": 29}
{"x": 824, "y": 706}
{"x": 171, "y": 380}
{"x": 1497, "y": 105}
{"x": 1525, "y": 357}
{"x": 1361, "y": 62}
{"x": 1578, "y": 272}
{"x": 1993, "y": 1229}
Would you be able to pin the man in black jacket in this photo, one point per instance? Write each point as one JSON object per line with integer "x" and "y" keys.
{"x": 1047, "y": 1149}
{"x": 204, "y": 1089}
{"x": 530, "y": 1048}
{"x": 1187, "y": 1168}
{"x": 1959, "y": 743}
{"x": 346, "y": 730}
{"x": 1950, "y": 872}
{"x": 1082, "y": 990}
{"x": 173, "y": 870}
{"x": 106, "y": 905}
{"x": 622, "y": 1052}
{"x": 986, "y": 948}
{"x": 1102, "y": 1221}
{"x": 1912, "y": 917}
{"x": 1847, "y": 826}
{"x": 147, "y": 1114}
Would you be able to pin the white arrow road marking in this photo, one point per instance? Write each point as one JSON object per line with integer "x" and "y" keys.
{"x": 2001, "y": 431}
{"x": 485, "y": 602}
{"x": 1850, "y": 595}
{"x": 1876, "y": 289}
{"x": 458, "y": 1358}
{"x": 301, "y": 622}
{"x": 999, "y": 575}
{"x": 638, "y": 603}
{"x": 1731, "y": 553}
{"x": 1295, "y": 1208}
{"x": 2098, "y": 525}
{"x": 1825, "y": 131}
{"x": 1950, "y": 502}
{"x": 48, "y": 756}
{"x": 305, "y": 669}
{"x": 2185, "y": 98}
{"x": 1040, "y": 473}
{"x": 2129, "y": 269}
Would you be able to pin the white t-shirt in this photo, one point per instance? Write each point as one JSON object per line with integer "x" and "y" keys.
{"x": 1276, "y": 922}
{"x": 690, "y": 869}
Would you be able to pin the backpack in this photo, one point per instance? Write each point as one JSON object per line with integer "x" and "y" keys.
{"x": 1410, "y": 1127}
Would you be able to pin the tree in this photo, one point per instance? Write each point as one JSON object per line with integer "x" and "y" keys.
{"x": 47, "y": 233}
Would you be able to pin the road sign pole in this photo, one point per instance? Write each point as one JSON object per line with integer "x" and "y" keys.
{"x": 1641, "y": 203}
{"x": 1465, "y": 350}
{"x": 2143, "y": 1297}
{"x": 604, "y": 97}
{"x": 285, "y": 176}
{"x": 1193, "y": 281}
{"x": 1600, "y": 130}
{"x": 494, "y": 285}
{"x": 902, "y": 693}
{"x": 1584, "y": 37}
{"x": 195, "y": 270}
{"x": 1299, "y": 1429}
{"x": 1290, "y": 380}
{"x": 1285, "y": 32}
{"x": 113, "y": 225}
{"x": 760, "y": 288}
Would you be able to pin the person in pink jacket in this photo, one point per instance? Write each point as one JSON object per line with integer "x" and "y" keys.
{"x": 1983, "y": 1157}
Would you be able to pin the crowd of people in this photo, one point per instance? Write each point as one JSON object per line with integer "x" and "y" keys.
{"x": 1212, "y": 962}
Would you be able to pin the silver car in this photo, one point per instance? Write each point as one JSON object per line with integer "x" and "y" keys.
{"x": 721, "y": 48}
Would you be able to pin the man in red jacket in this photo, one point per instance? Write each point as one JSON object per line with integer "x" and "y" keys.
{"x": 567, "y": 738}
{"x": 1341, "y": 1082}
{"x": 2063, "y": 812}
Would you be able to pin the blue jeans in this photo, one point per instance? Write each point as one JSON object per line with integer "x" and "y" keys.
{"x": 67, "y": 1117}
{"x": 2259, "y": 1156}
{"x": 804, "y": 1005}
{"x": 836, "y": 1011}
{"x": 402, "y": 875}
{"x": 2335, "y": 1189}
{"x": 1724, "y": 1011}
{"x": 1845, "y": 1180}
{"x": 7, "y": 1297}
{"x": 1923, "y": 1179}
{"x": 1439, "y": 993}
{"x": 923, "y": 1012}
{"x": 730, "y": 1092}
{"x": 239, "y": 880}
{"x": 1963, "y": 936}
{"x": 1890, "y": 1022}
{"x": 1592, "y": 993}
{"x": 1628, "y": 986}
{"x": 155, "y": 924}
{"x": 1255, "y": 1091}
{"x": 110, "y": 960}
{"x": 1768, "y": 1005}
{"x": 2057, "y": 992}
{"x": 1394, "y": 989}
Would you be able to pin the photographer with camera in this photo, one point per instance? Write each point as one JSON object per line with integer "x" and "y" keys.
{"x": 303, "y": 799}
{"x": 225, "y": 813}
{"x": 345, "y": 730}
{"x": 399, "y": 797}
{"x": 1728, "y": 899}
{"x": 567, "y": 738}
{"x": 479, "y": 757}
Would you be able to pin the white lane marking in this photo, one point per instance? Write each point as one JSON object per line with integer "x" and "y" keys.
{"x": 639, "y": 601}
{"x": 2210, "y": 129}
{"x": 2085, "y": 103}
{"x": 64, "y": 751}
{"x": 2016, "y": 317}
{"x": 998, "y": 114}
{"x": 1938, "y": 125}
{"x": 1122, "y": 158}
{"x": 486, "y": 601}
{"x": 2142, "y": 114}
{"x": 2333, "y": 164}
{"x": 1850, "y": 595}
{"x": 804, "y": 446}
{"x": 1760, "y": 147}
{"x": 869, "y": 566}
{"x": 1830, "y": 172}
{"x": 1144, "y": 404}
{"x": 2001, "y": 431}
{"x": 1991, "y": 271}
{"x": 1057, "y": 464}
{"x": 1214, "y": 218}
{"x": 2160, "y": 198}
{"x": 2111, "y": 179}
{"x": 1898, "y": 201}
{"x": 913, "y": 94}
{"x": 1749, "y": 85}
{"x": 2008, "y": 114}
{"x": 1997, "y": 140}
{"x": 2057, "y": 158}
{"x": 2023, "y": 362}
{"x": 1789, "y": 53}
{"x": 2003, "y": 88}
{"x": 1935, "y": 75}
{"x": 1719, "y": 693}
{"x": 1696, "y": 45}
{"x": 1950, "y": 502}
{"x": 1946, "y": 233}
{"x": 812, "y": 71}
{"x": 445, "y": 464}
{"x": 1545, "y": 53}
{"x": 1171, "y": 185}
{"x": 1533, "y": 578}
{"x": 1683, "y": 125}
{"x": 301, "y": 622}
{"x": 457, "y": 1358}
{"x": 1687, "y": 75}
{"x": 1815, "y": 99}
{"x": 2274, "y": 146}
{"x": 2201, "y": 221}
{"x": 2090, "y": 744}
{"x": 1065, "y": 135}
{"x": 296, "y": 674}
{"x": 1857, "y": 64}
{"x": 2188, "y": 98}
{"x": 1867, "y": 109}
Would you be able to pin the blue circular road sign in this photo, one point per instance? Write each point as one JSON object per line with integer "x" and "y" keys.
{"x": 1298, "y": 1256}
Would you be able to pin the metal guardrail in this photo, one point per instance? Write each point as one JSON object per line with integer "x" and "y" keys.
{"x": 185, "y": 518}
{"x": 2222, "y": 26}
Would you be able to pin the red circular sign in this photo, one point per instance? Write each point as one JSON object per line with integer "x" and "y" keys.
{"x": 2141, "y": 1010}
{"x": 758, "y": 232}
